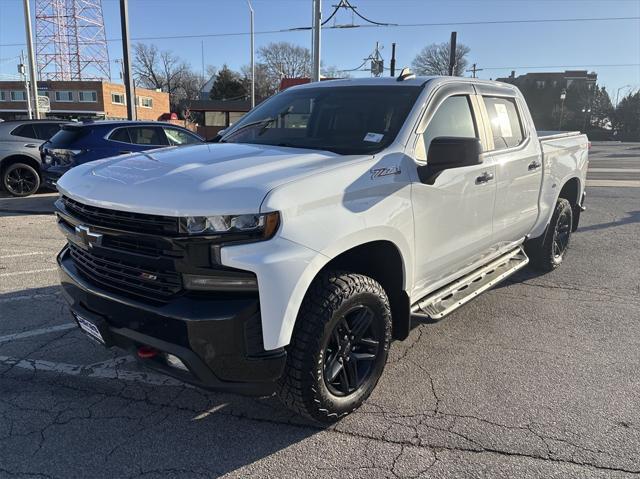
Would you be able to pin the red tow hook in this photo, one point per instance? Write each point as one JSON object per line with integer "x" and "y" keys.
{"x": 147, "y": 352}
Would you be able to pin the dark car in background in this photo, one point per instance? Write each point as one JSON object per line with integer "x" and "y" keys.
{"x": 19, "y": 155}
{"x": 79, "y": 143}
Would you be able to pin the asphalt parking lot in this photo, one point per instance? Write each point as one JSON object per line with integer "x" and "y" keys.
{"x": 539, "y": 377}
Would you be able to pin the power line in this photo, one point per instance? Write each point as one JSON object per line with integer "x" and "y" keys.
{"x": 603, "y": 65}
{"x": 390, "y": 25}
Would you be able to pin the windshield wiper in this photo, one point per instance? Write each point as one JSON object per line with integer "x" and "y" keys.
{"x": 266, "y": 121}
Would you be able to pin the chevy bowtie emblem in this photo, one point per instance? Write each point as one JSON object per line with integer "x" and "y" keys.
{"x": 88, "y": 237}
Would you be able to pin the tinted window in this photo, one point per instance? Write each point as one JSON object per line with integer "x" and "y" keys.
{"x": 147, "y": 135}
{"x": 179, "y": 137}
{"x": 44, "y": 131}
{"x": 346, "y": 120}
{"x": 505, "y": 122}
{"x": 453, "y": 118}
{"x": 26, "y": 131}
{"x": 66, "y": 137}
{"x": 121, "y": 134}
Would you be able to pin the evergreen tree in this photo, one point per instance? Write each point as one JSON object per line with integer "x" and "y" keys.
{"x": 228, "y": 86}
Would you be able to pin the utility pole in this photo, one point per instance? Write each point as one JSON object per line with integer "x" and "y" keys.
{"x": 126, "y": 62}
{"x": 452, "y": 53}
{"x": 32, "y": 58}
{"x": 392, "y": 64}
{"x": 474, "y": 69}
{"x": 253, "y": 62}
{"x": 317, "y": 26}
{"x": 22, "y": 70}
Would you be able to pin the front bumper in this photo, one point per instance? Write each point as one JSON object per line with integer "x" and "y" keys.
{"x": 219, "y": 341}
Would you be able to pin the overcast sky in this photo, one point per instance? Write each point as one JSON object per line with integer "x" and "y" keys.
{"x": 498, "y": 48}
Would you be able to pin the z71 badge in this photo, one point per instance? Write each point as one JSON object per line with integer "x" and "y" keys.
{"x": 379, "y": 172}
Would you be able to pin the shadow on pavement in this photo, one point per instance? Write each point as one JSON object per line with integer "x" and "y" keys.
{"x": 200, "y": 432}
{"x": 38, "y": 204}
{"x": 633, "y": 217}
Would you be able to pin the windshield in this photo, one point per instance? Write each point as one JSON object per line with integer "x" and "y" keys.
{"x": 346, "y": 120}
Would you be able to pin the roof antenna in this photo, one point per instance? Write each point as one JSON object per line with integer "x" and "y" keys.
{"x": 406, "y": 74}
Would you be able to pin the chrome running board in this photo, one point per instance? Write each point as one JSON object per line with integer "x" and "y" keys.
{"x": 449, "y": 298}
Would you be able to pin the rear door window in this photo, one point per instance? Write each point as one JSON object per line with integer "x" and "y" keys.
{"x": 121, "y": 134}
{"x": 505, "y": 122}
{"x": 147, "y": 135}
{"x": 178, "y": 137}
{"x": 44, "y": 131}
{"x": 25, "y": 131}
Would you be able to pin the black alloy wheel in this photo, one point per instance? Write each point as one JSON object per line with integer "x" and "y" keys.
{"x": 21, "y": 179}
{"x": 351, "y": 351}
{"x": 561, "y": 234}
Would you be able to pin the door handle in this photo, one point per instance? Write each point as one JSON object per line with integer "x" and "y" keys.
{"x": 534, "y": 165}
{"x": 125, "y": 152}
{"x": 484, "y": 178}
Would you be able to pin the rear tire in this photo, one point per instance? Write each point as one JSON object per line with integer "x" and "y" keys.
{"x": 20, "y": 179}
{"x": 339, "y": 346}
{"x": 548, "y": 251}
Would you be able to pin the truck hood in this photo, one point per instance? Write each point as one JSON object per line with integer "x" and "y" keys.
{"x": 196, "y": 180}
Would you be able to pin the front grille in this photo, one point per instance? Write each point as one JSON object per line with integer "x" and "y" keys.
{"x": 125, "y": 277}
{"x": 121, "y": 220}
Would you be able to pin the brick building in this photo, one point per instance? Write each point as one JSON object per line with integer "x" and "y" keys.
{"x": 82, "y": 100}
{"x": 542, "y": 90}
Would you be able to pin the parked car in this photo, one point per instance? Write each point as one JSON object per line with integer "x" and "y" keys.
{"x": 286, "y": 257}
{"x": 19, "y": 155}
{"x": 82, "y": 142}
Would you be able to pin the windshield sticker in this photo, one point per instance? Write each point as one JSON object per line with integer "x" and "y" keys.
{"x": 373, "y": 137}
{"x": 503, "y": 120}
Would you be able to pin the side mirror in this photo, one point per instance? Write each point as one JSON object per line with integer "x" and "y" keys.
{"x": 449, "y": 152}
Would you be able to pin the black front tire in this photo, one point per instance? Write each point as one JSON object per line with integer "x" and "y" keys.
{"x": 548, "y": 251}
{"x": 343, "y": 330}
{"x": 20, "y": 179}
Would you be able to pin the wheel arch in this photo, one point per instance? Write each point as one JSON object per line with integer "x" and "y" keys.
{"x": 381, "y": 260}
{"x": 19, "y": 158}
{"x": 571, "y": 192}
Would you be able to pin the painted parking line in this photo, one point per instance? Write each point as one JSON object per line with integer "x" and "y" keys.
{"x": 37, "y": 332}
{"x": 32, "y": 271}
{"x": 19, "y": 255}
{"x": 614, "y": 170}
{"x": 615, "y": 183}
{"x": 38, "y": 365}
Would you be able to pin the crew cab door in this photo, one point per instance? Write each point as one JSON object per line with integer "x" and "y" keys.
{"x": 518, "y": 161}
{"x": 453, "y": 212}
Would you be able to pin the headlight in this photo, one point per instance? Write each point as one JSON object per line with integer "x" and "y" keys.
{"x": 261, "y": 226}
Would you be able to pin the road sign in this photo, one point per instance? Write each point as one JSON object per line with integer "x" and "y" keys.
{"x": 44, "y": 104}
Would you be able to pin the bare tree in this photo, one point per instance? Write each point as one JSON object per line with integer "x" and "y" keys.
{"x": 265, "y": 85}
{"x": 434, "y": 59}
{"x": 285, "y": 60}
{"x": 163, "y": 70}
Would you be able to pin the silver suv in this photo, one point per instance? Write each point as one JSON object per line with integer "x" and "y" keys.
{"x": 19, "y": 155}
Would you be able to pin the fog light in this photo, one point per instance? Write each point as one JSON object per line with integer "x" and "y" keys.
{"x": 175, "y": 362}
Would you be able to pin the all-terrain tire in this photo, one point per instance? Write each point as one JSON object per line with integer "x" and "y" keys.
{"x": 544, "y": 253}
{"x": 303, "y": 387}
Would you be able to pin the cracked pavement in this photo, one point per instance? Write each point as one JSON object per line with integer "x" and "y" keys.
{"x": 538, "y": 377}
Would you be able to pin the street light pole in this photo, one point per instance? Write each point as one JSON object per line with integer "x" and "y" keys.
{"x": 253, "y": 63}
{"x": 23, "y": 74}
{"x": 563, "y": 95}
{"x": 126, "y": 62}
{"x": 317, "y": 26}
{"x": 32, "y": 58}
{"x": 618, "y": 93}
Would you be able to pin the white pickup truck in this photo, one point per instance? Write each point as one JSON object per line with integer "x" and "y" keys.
{"x": 286, "y": 256}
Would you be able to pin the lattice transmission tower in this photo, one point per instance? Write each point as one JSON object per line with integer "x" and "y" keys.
{"x": 70, "y": 40}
